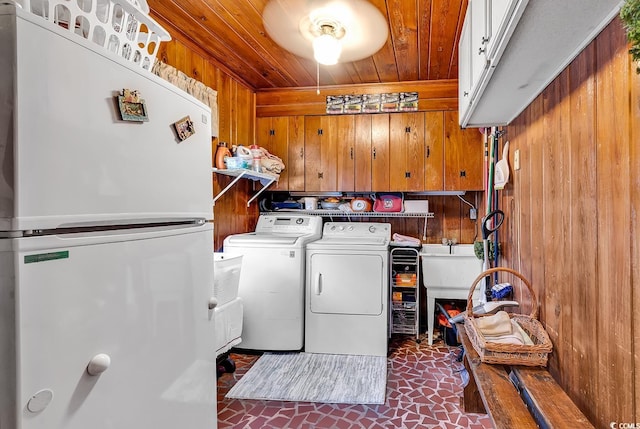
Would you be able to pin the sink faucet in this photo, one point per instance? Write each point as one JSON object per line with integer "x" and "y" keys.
{"x": 449, "y": 242}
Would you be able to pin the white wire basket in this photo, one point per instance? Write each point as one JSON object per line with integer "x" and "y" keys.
{"x": 122, "y": 27}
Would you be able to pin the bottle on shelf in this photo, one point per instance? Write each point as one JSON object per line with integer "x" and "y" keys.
{"x": 256, "y": 154}
{"x": 221, "y": 152}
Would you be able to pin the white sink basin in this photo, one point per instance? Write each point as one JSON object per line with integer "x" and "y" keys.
{"x": 440, "y": 250}
{"x": 457, "y": 269}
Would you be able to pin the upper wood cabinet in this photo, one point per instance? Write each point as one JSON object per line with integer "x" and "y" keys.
{"x": 417, "y": 151}
{"x": 434, "y": 151}
{"x": 283, "y": 136}
{"x": 273, "y": 135}
{"x": 372, "y": 153}
{"x": 463, "y": 156}
{"x": 329, "y": 153}
{"x": 295, "y": 163}
{"x": 407, "y": 151}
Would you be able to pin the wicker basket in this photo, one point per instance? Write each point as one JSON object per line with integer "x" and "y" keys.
{"x": 511, "y": 354}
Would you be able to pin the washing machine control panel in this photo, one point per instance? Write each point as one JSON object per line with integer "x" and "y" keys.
{"x": 289, "y": 224}
{"x": 357, "y": 229}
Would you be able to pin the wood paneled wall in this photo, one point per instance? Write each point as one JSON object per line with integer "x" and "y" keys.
{"x": 572, "y": 224}
{"x": 236, "y": 108}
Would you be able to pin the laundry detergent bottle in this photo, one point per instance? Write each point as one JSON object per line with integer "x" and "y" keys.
{"x": 221, "y": 152}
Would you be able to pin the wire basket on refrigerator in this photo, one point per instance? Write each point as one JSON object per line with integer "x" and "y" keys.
{"x": 122, "y": 27}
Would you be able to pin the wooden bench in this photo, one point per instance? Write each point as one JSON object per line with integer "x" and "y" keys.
{"x": 516, "y": 396}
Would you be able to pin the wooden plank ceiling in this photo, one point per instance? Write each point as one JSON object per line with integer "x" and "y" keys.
{"x": 422, "y": 43}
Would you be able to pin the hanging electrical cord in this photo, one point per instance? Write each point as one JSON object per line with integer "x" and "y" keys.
{"x": 467, "y": 202}
{"x": 475, "y": 227}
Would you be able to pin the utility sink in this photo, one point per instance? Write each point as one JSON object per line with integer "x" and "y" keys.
{"x": 449, "y": 266}
{"x": 448, "y": 272}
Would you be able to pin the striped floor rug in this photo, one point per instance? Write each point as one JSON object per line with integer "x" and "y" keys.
{"x": 312, "y": 377}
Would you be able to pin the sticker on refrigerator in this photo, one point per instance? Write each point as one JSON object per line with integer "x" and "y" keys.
{"x": 42, "y": 257}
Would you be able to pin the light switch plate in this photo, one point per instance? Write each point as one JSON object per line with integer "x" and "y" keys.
{"x": 516, "y": 160}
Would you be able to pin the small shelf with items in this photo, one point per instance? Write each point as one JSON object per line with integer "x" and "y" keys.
{"x": 405, "y": 291}
{"x": 341, "y": 213}
{"x": 266, "y": 179}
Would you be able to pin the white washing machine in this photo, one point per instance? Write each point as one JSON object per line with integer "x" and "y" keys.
{"x": 272, "y": 280}
{"x": 346, "y": 304}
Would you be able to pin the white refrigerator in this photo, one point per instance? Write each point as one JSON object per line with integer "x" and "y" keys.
{"x": 106, "y": 268}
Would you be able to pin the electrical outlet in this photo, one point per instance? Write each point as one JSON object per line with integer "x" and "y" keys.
{"x": 473, "y": 214}
{"x": 516, "y": 160}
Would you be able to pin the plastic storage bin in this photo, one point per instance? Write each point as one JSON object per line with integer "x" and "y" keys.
{"x": 226, "y": 276}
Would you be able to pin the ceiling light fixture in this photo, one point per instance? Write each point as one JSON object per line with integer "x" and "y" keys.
{"x": 326, "y": 30}
{"x": 327, "y": 46}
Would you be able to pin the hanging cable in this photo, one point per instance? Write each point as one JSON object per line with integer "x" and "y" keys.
{"x": 467, "y": 202}
{"x": 317, "y": 78}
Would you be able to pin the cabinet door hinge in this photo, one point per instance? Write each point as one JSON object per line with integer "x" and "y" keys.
{"x": 272, "y": 132}
{"x": 463, "y": 173}
{"x": 351, "y": 153}
{"x": 320, "y": 175}
{"x": 374, "y": 153}
{"x": 407, "y": 174}
{"x": 407, "y": 129}
{"x": 428, "y": 151}
{"x": 319, "y": 131}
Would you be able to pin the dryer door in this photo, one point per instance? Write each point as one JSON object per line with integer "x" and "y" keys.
{"x": 347, "y": 283}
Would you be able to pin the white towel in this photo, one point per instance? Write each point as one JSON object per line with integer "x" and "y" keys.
{"x": 517, "y": 336}
{"x": 405, "y": 239}
{"x": 495, "y": 325}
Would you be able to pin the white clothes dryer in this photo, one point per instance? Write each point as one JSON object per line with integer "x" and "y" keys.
{"x": 346, "y": 304}
{"x": 272, "y": 280}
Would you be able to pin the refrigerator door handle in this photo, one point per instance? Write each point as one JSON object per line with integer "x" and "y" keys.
{"x": 99, "y": 364}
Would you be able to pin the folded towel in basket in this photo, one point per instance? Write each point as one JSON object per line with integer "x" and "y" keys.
{"x": 495, "y": 325}
{"x": 517, "y": 336}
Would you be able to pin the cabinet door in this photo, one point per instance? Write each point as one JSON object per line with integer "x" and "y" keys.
{"x": 479, "y": 63}
{"x": 463, "y": 156}
{"x": 364, "y": 160}
{"x": 273, "y": 135}
{"x": 434, "y": 151}
{"x": 372, "y": 153}
{"x": 406, "y": 134}
{"x": 295, "y": 165}
{"x": 380, "y": 180}
{"x": 503, "y": 17}
{"x": 464, "y": 69}
{"x": 320, "y": 155}
{"x": 342, "y": 134}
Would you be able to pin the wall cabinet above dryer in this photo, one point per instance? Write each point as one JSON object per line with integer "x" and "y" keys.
{"x": 487, "y": 27}
{"x": 527, "y": 45}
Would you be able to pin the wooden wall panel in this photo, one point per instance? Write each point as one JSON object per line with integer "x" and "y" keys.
{"x": 581, "y": 385}
{"x": 572, "y": 227}
{"x": 634, "y": 183}
{"x": 236, "y": 107}
{"x": 614, "y": 276}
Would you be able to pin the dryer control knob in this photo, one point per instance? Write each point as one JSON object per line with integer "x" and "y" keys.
{"x": 372, "y": 228}
{"x": 341, "y": 228}
{"x": 350, "y": 228}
